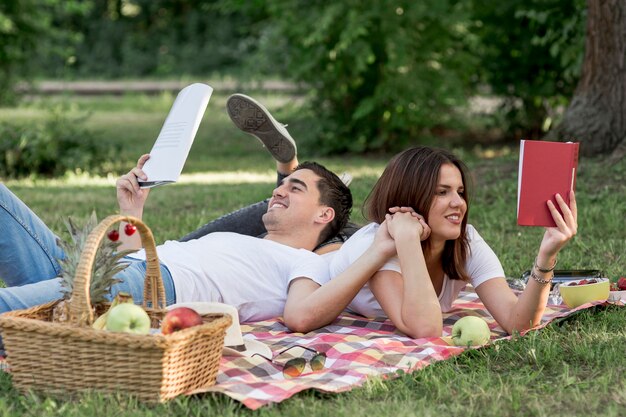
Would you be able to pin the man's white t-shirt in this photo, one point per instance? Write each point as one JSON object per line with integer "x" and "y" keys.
{"x": 249, "y": 273}
{"x": 482, "y": 264}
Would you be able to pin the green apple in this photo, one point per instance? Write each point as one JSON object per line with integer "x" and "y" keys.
{"x": 129, "y": 318}
{"x": 470, "y": 331}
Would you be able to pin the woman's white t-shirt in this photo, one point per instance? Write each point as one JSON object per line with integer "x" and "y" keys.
{"x": 482, "y": 264}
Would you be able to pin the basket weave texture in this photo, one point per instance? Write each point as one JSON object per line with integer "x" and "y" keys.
{"x": 65, "y": 358}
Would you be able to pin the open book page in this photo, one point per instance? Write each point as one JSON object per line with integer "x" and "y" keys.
{"x": 170, "y": 151}
{"x": 545, "y": 169}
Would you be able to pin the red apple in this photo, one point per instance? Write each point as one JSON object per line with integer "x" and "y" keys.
{"x": 180, "y": 318}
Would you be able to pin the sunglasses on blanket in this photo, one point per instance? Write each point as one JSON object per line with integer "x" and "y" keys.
{"x": 294, "y": 367}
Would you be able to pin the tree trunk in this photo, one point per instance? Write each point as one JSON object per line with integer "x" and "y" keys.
{"x": 596, "y": 116}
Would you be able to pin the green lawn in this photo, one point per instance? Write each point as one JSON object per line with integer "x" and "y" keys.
{"x": 574, "y": 368}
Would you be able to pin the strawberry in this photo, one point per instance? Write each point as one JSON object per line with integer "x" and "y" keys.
{"x": 113, "y": 235}
{"x": 130, "y": 229}
{"x": 621, "y": 283}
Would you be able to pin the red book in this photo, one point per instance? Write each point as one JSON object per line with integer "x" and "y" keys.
{"x": 545, "y": 169}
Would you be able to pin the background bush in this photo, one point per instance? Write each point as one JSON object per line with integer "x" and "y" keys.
{"x": 531, "y": 54}
{"x": 380, "y": 74}
{"x": 52, "y": 147}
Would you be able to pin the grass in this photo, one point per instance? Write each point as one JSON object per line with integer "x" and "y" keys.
{"x": 571, "y": 368}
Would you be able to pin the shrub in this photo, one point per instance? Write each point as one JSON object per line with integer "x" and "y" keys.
{"x": 52, "y": 147}
{"x": 381, "y": 73}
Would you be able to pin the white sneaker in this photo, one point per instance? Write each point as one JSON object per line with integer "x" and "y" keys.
{"x": 251, "y": 117}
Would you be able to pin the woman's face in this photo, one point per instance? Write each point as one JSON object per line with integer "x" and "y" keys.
{"x": 448, "y": 207}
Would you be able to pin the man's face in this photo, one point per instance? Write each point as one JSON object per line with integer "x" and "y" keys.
{"x": 295, "y": 203}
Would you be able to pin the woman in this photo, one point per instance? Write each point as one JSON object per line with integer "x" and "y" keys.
{"x": 447, "y": 252}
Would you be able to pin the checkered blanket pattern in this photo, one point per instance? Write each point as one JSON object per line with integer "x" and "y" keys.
{"x": 356, "y": 350}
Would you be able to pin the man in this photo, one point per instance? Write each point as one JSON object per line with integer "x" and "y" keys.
{"x": 263, "y": 278}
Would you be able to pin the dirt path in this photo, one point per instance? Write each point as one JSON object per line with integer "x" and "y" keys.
{"x": 51, "y": 87}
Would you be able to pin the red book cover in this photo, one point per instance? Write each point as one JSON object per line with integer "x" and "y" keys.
{"x": 545, "y": 169}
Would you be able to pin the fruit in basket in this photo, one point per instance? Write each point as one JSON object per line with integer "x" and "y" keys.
{"x": 113, "y": 235}
{"x": 129, "y": 318}
{"x": 130, "y": 229}
{"x": 621, "y": 284}
{"x": 470, "y": 331}
{"x": 121, "y": 297}
{"x": 106, "y": 265}
{"x": 180, "y": 318}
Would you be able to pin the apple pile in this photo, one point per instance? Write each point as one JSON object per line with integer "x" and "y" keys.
{"x": 620, "y": 285}
{"x": 180, "y": 318}
{"x": 470, "y": 331}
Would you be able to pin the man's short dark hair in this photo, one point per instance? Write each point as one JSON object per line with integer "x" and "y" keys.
{"x": 333, "y": 193}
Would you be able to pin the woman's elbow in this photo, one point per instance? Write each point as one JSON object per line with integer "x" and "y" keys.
{"x": 519, "y": 327}
{"x": 519, "y": 323}
{"x": 300, "y": 323}
{"x": 424, "y": 330}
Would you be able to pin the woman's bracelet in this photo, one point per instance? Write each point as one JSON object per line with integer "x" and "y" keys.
{"x": 540, "y": 280}
{"x": 546, "y": 270}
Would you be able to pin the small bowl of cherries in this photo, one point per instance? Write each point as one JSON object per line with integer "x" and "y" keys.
{"x": 581, "y": 291}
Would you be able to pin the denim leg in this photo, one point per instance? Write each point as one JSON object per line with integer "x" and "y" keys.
{"x": 28, "y": 249}
{"x": 246, "y": 221}
{"x": 30, "y": 295}
{"x": 133, "y": 281}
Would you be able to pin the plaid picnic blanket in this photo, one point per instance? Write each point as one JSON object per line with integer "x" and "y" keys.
{"x": 356, "y": 349}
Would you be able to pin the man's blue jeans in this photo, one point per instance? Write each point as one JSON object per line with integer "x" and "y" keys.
{"x": 29, "y": 261}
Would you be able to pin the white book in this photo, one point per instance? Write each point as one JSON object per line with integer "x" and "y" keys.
{"x": 170, "y": 150}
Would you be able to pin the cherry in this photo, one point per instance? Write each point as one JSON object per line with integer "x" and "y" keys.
{"x": 113, "y": 235}
{"x": 130, "y": 229}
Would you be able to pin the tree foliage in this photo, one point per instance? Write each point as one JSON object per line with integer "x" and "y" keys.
{"x": 384, "y": 73}
{"x": 124, "y": 38}
{"x": 381, "y": 72}
{"x": 22, "y": 23}
{"x": 530, "y": 55}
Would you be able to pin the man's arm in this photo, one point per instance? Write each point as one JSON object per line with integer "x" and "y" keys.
{"x": 131, "y": 199}
{"x": 310, "y": 306}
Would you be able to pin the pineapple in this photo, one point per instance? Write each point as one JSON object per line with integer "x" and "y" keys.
{"x": 106, "y": 266}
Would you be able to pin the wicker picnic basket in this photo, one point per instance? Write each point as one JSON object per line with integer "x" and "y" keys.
{"x": 64, "y": 358}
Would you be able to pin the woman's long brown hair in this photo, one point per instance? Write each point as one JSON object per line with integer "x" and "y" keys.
{"x": 410, "y": 180}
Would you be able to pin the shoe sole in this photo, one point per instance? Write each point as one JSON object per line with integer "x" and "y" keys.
{"x": 251, "y": 117}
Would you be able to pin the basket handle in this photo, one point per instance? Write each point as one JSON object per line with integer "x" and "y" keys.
{"x": 81, "y": 311}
